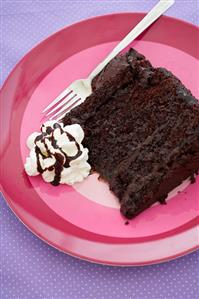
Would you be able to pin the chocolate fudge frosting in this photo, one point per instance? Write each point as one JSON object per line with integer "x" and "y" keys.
{"x": 141, "y": 127}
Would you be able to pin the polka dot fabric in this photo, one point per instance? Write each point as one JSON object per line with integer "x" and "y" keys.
{"x": 30, "y": 269}
{"x": 33, "y": 270}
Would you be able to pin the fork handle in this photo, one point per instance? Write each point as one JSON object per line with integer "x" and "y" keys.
{"x": 151, "y": 17}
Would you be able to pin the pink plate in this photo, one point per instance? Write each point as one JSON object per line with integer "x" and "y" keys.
{"x": 84, "y": 220}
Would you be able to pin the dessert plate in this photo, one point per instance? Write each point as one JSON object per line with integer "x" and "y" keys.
{"x": 84, "y": 220}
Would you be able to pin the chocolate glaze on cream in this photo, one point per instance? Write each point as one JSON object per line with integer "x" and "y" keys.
{"x": 57, "y": 154}
{"x": 61, "y": 160}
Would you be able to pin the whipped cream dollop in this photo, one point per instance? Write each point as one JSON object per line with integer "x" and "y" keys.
{"x": 57, "y": 154}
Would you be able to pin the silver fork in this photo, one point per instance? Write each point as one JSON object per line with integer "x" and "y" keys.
{"x": 80, "y": 89}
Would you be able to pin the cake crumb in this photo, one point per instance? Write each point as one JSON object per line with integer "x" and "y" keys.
{"x": 192, "y": 179}
{"x": 101, "y": 179}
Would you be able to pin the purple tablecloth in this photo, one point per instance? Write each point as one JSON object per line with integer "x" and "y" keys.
{"x": 30, "y": 269}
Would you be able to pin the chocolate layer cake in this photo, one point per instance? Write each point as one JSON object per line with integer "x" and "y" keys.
{"x": 142, "y": 130}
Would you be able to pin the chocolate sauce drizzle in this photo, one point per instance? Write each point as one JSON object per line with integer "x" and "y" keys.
{"x": 59, "y": 158}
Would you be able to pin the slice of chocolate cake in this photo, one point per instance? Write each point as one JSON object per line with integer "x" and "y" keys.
{"x": 142, "y": 130}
